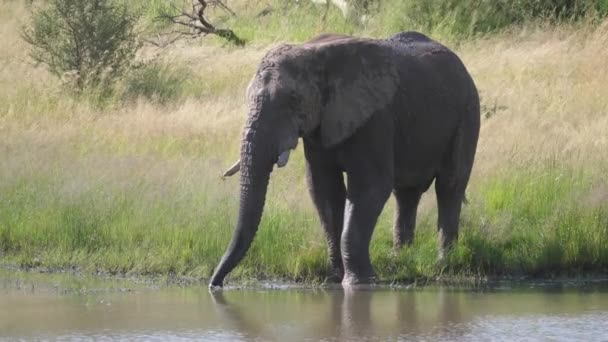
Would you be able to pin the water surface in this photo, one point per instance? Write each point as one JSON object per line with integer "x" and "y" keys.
{"x": 76, "y": 308}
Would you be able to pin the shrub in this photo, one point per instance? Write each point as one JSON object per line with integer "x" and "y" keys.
{"x": 84, "y": 42}
{"x": 463, "y": 18}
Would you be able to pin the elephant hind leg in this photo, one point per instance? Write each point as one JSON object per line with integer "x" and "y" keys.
{"x": 452, "y": 180}
{"x": 449, "y": 203}
{"x": 407, "y": 199}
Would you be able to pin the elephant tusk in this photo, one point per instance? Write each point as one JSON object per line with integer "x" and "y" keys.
{"x": 233, "y": 169}
{"x": 283, "y": 158}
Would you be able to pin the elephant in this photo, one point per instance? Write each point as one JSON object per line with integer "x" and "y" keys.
{"x": 392, "y": 115}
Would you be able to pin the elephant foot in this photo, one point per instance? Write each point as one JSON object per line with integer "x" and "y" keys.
{"x": 402, "y": 240}
{"x": 332, "y": 279}
{"x": 399, "y": 245}
{"x": 352, "y": 280}
{"x": 441, "y": 256}
{"x": 335, "y": 276}
{"x": 446, "y": 242}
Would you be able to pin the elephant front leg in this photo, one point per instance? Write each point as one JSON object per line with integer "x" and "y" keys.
{"x": 364, "y": 205}
{"x": 326, "y": 186}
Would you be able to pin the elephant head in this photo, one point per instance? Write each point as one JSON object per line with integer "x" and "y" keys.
{"x": 324, "y": 89}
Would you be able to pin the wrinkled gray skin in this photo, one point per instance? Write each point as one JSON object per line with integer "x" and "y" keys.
{"x": 392, "y": 114}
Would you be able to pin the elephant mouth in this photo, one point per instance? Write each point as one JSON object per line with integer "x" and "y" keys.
{"x": 281, "y": 161}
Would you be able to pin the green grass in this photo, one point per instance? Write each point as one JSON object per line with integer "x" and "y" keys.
{"x": 544, "y": 224}
{"x": 540, "y": 223}
{"x": 451, "y": 19}
{"x": 464, "y": 19}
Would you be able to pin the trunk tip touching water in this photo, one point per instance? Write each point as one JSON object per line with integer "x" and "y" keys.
{"x": 216, "y": 282}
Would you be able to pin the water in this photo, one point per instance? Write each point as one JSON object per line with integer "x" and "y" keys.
{"x": 60, "y": 308}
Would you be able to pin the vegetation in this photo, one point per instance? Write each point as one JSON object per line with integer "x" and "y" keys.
{"x": 90, "y": 42}
{"x": 469, "y": 18}
{"x": 134, "y": 186}
{"x": 161, "y": 82}
{"x": 451, "y": 19}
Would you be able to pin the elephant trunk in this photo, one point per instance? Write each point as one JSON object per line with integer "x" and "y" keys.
{"x": 256, "y": 166}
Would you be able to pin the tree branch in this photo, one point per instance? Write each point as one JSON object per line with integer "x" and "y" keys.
{"x": 196, "y": 21}
{"x": 161, "y": 42}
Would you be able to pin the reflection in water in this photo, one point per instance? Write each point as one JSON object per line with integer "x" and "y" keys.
{"x": 438, "y": 315}
{"x": 356, "y": 314}
{"x": 238, "y": 319}
{"x": 188, "y": 314}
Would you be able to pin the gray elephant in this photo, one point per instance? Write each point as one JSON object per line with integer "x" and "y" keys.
{"x": 392, "y": 114}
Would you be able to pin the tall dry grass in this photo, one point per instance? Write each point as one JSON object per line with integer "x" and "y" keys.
{"x": 544, "y": 95}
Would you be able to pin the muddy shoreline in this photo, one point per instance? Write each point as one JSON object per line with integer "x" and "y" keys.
{"x": 156, "y": 282}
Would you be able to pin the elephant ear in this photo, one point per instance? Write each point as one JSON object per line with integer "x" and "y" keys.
{"x": 360, "y": 80}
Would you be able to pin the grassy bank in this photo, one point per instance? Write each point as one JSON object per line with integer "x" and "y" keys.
{"x": 133, "y": 186}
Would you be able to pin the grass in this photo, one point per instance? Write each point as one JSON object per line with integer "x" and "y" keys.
{"x": 133, "y": 186}
{"x": 555, "y": 226}
{"x": 279, "y": 20}
{"x": 463, "y": 19}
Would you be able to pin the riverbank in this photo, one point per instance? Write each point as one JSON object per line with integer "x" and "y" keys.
{"x": 74, "y": 282}
{"x": 133, "y": 187}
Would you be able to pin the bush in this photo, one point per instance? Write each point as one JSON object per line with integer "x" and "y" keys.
{"x": 463, "y": 18}
{"x": 85, "y": 42}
